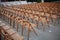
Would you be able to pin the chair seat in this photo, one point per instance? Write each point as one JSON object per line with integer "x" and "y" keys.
{"x": 5, "y": 27}
{"x": 10, "y": 31}
{"x": 17, "y": 37}
{"x": 43, "y": 20}
{"x": 54, "y": 16}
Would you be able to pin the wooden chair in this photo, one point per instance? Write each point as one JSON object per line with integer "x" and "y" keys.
{"x": 30, "y": 27}
{"x": 10, "y": 34}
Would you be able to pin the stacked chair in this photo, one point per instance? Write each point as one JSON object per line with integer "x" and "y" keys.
{"x": 8, "y": 34}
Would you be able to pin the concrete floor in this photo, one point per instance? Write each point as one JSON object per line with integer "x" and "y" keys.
{"x": 54, "y": 33}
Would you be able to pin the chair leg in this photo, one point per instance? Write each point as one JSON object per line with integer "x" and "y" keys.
{"x": 0, "y": 33}
{"x": 52, "y": 20}
{"x": 58, "y": 21}
{"x": 34, "y": 31}
{"x": 37, "y": 23}
{"x": 28, "y": 33}
{"x": 17, "y": 27}
{"x": 31, "y": 21}
{"x": 9, "y": 22}
{"x": 13, "y": 24}
{"x": 22, "y": 30}
{"x": 48, "y": 25}
{"x": 43, "y": 27}
{"x": 41, "y": 23}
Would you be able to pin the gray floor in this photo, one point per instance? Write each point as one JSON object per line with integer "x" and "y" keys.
{"x": 54, "y": 33}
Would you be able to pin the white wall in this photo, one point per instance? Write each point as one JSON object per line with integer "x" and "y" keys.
{"x": 13, "y": 3}
{"x": 42, "y": 1}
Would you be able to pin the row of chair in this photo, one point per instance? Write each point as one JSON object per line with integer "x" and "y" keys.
{"x": 9, "y": 34}
{"x": 34, "y": 14}
{"x": 42, "y": 13}
{"x": 17, "y": 20}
